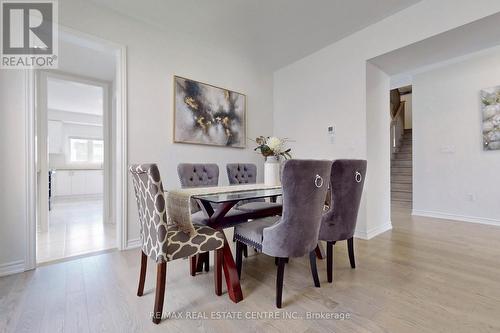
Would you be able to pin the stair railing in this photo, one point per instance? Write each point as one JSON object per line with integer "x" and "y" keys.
{"x": 397, "y": 128}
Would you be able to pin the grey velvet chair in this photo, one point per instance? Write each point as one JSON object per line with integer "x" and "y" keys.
{"x": 163, "y": 242}
{"x": 246, "y": 173}
{"x": 339, "y": 221}
{"x": 202, "y": 175}
{"x": 295, "y": 233}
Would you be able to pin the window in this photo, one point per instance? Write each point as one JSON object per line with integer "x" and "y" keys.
{"x": 86, "y": 150}
{"x": 97, "y": 151}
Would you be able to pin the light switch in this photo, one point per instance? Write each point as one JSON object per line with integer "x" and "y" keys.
{"x": 331, "y": 133}
{"x": 447, "y": 149}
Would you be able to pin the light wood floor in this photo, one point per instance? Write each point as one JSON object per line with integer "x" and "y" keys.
{"x": 425, "y": 275}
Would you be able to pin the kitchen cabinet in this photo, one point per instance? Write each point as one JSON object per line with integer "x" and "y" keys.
{"x": 78, "y": 182}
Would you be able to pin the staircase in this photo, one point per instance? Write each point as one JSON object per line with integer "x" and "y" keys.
{"x": 401, "y": 172}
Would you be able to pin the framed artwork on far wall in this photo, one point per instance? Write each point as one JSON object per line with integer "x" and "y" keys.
{"x": 490, "y": 109}
{"x": 208, "y": 115}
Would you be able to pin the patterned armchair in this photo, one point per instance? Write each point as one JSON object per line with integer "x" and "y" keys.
{"x": 295, "y": 234}
{"x": 339, "y": 221}
{"x": 164, "y": 242}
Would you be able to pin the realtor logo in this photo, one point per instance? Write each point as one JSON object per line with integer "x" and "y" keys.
{"x": 29, "y": 34}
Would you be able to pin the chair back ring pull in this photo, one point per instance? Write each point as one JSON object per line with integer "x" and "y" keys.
{"x": 318, "y": 181}
{"x": 358, "y": 177}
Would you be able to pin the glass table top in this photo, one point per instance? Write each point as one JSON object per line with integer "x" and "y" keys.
{"x": 239, "y": 195}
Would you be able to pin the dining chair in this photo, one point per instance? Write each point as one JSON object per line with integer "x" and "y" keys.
{"x": 338, "y": 223}
{"x": 295, "y": 233}
{"x": 202, "y": 175}
{"x": 164, "y": 242}
{"x": 246, "y": 173}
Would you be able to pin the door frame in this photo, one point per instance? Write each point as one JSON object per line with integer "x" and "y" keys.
{"x": 42, "y": 78}
{"x": 118, "y": 177}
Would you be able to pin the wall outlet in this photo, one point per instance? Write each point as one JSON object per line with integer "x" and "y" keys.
{"x": 471, "y": 197}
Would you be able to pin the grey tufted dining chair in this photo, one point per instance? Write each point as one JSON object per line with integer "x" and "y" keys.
{"x": 295, "y": 234}
{"x": 198, "y": 174}
{"x": 202, "y": 175}
{"x": 246, "y": 173}
{"x": 339, "y": 221}
{"x": 164, "y": 242}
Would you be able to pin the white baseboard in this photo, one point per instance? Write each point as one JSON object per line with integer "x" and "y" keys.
{"x": 369, "y": 234}
{"x": 12, "y": 267}
{"x": 133, "y": 244}
{"x": 462, "y": 218}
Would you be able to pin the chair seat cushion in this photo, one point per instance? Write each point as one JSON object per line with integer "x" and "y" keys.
{"x": 200, "y": 218}
{"x": 258, "y": 206}
{"x": 181, "y": 245}
{"x": 250, "y": 233}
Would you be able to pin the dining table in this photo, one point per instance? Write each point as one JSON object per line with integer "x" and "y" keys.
{"x": 217, "y": 219}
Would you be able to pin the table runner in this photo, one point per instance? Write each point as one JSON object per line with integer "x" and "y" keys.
{"x": 179, "y": 201}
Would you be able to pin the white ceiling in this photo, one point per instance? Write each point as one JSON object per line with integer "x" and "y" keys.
{"x": 275, "y": 32}
{"x": 86, "y": 58}
{"x": 443, "y": 48}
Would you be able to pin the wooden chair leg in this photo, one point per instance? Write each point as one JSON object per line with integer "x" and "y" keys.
{"x": 161, "y": 277}
{"x": 350, "y": 248}
{"x": 314, "y": 269}
{"x": 199, "y": 262}
{"x": 319, "y": 251}
{"x": 279, "y": 281}
{"x": 142, "y": 274}
{"x": 245, "y": 250}
{"x": 192, "y": 265}
{"x": 207, "y": 261}
{"x": 239, "y": 256}
{"x": 218, "y": 257}
{"x": 329, "y": 261}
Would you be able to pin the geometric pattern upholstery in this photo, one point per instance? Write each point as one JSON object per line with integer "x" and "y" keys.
{"x": 346, "y": 188}
{"x": 159, "y": 240}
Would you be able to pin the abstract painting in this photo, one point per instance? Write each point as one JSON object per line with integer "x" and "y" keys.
{"x": 490, "y": 109}
{"x": 209, "y": 115}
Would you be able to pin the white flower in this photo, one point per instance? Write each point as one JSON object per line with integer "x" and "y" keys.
{"x": 275, "y": 144}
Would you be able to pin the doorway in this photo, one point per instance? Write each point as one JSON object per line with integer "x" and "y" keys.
{"x": 78, "y": 135}
{"x": 74, "y": 159}
{"x": 401, "y": 147}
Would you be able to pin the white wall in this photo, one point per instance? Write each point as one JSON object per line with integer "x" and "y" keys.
{"x": 153, "y": 57}
{"x": 408, "y": 110}
{"x": 329, "y": 86}
{"x": 378, "y": 119}
{"x": 449, "y": 162}
{"x": 13, "y": 197}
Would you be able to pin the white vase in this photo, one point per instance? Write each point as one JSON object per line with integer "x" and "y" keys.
{"x": 272, "y": 171}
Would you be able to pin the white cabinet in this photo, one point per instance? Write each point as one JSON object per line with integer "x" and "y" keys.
{"x": 55, "y": 129}
{"x": 62, "y": 183}
{"x": 78, "y": 182}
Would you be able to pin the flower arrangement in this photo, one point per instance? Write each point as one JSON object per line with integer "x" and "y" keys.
{"x": 272, "y": 146}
